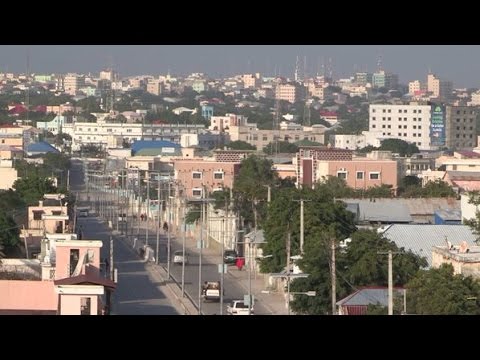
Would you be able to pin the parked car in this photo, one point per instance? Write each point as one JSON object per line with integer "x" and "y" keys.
{"x": 179, "y": 259}
{"x": 230, "y": 257}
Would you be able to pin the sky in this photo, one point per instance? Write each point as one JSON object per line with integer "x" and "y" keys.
{"x": 458, "y": 63}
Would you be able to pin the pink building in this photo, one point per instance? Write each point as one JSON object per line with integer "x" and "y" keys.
{"x": 361, "y": 174}
{"x": 307, "y": 159}
{"x": 196, "y": 173}
{"x": 70, "y": 282}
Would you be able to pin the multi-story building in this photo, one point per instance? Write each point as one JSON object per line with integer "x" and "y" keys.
{"x": 461, "y": 127}
{"x": 155, "y": 87}
{"x": 72, "y": 83}
{"x": 410, "y": 123}
{"x": 414, "y": 87}
{"x": 308, "y": 157}
{"x": 386, "y": 80}
{"x": 288, "y": 92}
{"x": 108, "y": 74}
{"x": 196, "y": 176}
{"x": 363, "y": 78}
{"x": 106, "y": 134}
{"x": 439, "y": 88}
{"x": 251, "y": 81}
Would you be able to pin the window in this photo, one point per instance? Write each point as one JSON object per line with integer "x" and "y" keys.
{"x": 404, "y": 119}
{"x": 374, "y": 176}
{"x": 197, "y": 192}
{"x": 342, "y": 175}
{"x": 419, "y": 135}
{"x": 383, "y": 126}
{"x": 265, "y": 138}
{"x": 404, "y": 126}
{"x": 196, "y": 175}
{"x": 383, "y": 118}
{"x": 37, "y": 214}
{"x": 414, "y": 111}
{"x": 85, "y": 306}
{"x": 373, "y": 110}
{"x": 404, "y": 134}
{"x": 404, "y": 111}
{"x": 399, "y": 134}
{"x": 218, "y": 175}
{"x": 419, "y": 127}
{"x": 414, "y": 135}
{"x": 414, "y": 126}
{"x": 374, "y": 118}
{"x": 419, "y": 111}
{"x": 383, "y": 110}
{"x": 56, "y": 212}
{"x": 389, "y": 110}
{"x": 389, "y": 126}
{"x": 129, "y": 130}
{"x": 373, "y": 127}
{"x": 399, "y": 111}
{"x": 389, "y": 118}
{"x": 399, "y": 126}
{"x": 109, "y": 130}
{"x": 399, "y": 119}
{"x": 359, "y": 175}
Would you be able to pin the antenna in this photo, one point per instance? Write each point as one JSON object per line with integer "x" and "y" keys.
{"x": 379, "y": 62}
{"x": 296, "y": 70}
{"x": 27, "y": 91}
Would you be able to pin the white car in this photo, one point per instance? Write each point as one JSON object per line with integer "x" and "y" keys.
{"x": 238, "y": 307}
{"x": 179, "y": 259}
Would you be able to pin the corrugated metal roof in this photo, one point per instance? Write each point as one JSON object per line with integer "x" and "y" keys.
{"x": 256, "y": 236}
{"x": 450, "y": 214}
{"x": 380, "y": 210}
{"x": 368, "y": 296}
{"x": 422, "y": 238}
{"x": 41, "y": 147}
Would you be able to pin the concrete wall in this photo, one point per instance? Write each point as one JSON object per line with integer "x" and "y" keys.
{"x": 27, "y": 295}
{"x": 468, "y": 210}
{"x": 63, "y": 260}
{"x": 71, "y": 304}
{"x": 7, "y": 177}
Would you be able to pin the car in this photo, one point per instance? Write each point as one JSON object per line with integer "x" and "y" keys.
{"x": 178, "y": 257}
{"x": 230, "y": 257}
{"x": 238, "y": 307}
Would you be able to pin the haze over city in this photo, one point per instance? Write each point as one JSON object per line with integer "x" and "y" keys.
{"x": 457, "y": 63}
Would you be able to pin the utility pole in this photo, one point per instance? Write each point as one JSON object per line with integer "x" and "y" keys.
{"x": 111, "y": 258}
{"x": 302, "y": 231}
{"x": 200, "y": 255}
{"x": 222, "y": 278}
{"x": 183, "y": 251}
{"x": 288, "y": 269}
{"x": 148, "y": 208}
{"x": 334, "y": 281}
{"x": 269, "y": 194}
{"x": 390, "y": 278}
{"x": 158, "y": 221}
{"x": 168, "y": 231}
{"x": 390, "y": 283}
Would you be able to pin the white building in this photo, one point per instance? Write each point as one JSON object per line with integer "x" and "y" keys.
{"x": 410, "y": 123}
{"x": 73, "y": 82}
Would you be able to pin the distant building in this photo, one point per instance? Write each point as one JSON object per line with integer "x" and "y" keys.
{"x": 461, "y": 127}
{"x": 358, "y": 302}
{"x": 464, "y": 258}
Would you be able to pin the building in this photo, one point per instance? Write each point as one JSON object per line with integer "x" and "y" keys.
{"x": 414, "y": 87}
{"x": 464, "y": 258}
{"x": 288, "y": 92}
{"x": 448, "y": 217}
{"x": 155, "y": 87}
{"x": 308, "y": 157}
{"x": 155, "y": 148}
{"x": 207, "y": 112}
{"x": 8, "y": 174}
{"x": 461, "y": 127}
{"x": 251, "y": 81}
{"x": 381, "y": 79}
{"x": 358, "y": 302}
{"x": 195, "y": 174}
{"x": 363, "y": 78}
{"x": 360, "y": 174}
{"x": 410, "y": 123}
{"x": 73, "y": 83}
{"x": 440, "y": 89}
{"x": 414, "y": 165}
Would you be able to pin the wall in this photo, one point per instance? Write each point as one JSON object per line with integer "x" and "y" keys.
{"x": 70, "y": 304}
{"x": 27, "y": 295}
{"x": 63, "y": 259}
{"x": 468, "y": 210}
{"x": 7, "y": 177}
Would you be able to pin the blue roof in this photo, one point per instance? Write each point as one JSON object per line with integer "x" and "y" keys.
{"x": 149, "y": 144}
{"x": 41, "y": 147}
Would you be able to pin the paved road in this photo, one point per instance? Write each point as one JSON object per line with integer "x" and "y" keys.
{"x": 233, "y": 290}
{"x": 137, "y": 292}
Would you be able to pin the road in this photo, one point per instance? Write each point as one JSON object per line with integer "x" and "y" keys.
{"x": 233, "y": 289}
{"x": 137, "y": 292}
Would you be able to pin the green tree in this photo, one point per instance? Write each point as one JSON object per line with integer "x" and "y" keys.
{"x": 433, "y": 189}
{"x": 32, "y": 188}
{"x": 440, "y": 292}
{"x": 248, "y": 190}
{"x": 399, "y": 146}
{"x": 283, "y": 147}
{"x": 9, "y": 231}
{"x": 474, "y": 198}
{"x": 241, "y": 145}
{"x": 358, "y": 265}
{"x": 383, "y": 191}
{"x": 336, "y": 187}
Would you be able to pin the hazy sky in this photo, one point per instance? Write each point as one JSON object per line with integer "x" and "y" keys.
{"x": 458, "y": 63}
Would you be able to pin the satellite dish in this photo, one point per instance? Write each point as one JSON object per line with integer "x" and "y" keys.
{"x": 464, "y": 247}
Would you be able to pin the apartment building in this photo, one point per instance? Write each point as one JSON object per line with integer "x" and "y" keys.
{"x": 73, "y": 83}
{"x": 288, "y": 92}
{"x": 461, "y": 127}
{"x": 439, "y": 88}
{"x": 410, "y": 123}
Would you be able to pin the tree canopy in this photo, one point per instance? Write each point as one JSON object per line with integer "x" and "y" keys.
{"x": 440, "y": 292}
{"x": 33, "y": 187}
{"x": 241, "y": 145}
{"x": 283, "y": 147}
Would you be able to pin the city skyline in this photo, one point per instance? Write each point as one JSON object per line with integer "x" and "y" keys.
{"x": 457, "y": 63}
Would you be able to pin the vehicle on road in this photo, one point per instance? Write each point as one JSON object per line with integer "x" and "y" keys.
{"x": 211, "y": 290}
{"x": 230, "y": 257}
{"x": 238, "y": 307}
{"x": 83, "y": 212}
{"x": 178, "y": 258}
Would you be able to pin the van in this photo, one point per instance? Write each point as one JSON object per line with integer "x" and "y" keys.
{"x": 179, "y": 259}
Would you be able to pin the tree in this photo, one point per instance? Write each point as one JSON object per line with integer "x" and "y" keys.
{"x": 248, "y": 190}
{"x": 399, "y": 146}
{"x": 283, "y": 147}
{"x": 336, "y": 187}
{"x": 440, "y": 292}
{"x": 32, "y": 188}
{"x": 9, "y": 231}
{"x": 241, "y": 145}
{"x": 358, "y": 265}
{"x": 474, "y": 198}
{"x": 433, "y": 189}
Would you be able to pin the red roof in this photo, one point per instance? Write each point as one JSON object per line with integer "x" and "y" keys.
{"x": 9, "y": 126}
{"x": 328, "y": 113}
{"x": 86, "y": 279}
